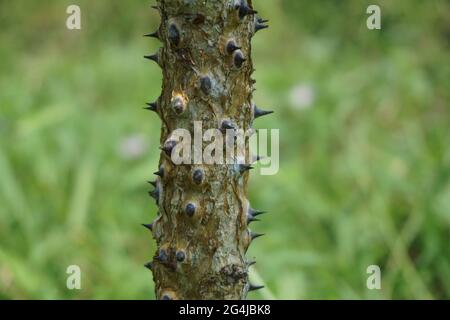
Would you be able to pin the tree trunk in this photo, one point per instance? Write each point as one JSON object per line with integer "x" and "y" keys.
{"x": 202, "y": 229}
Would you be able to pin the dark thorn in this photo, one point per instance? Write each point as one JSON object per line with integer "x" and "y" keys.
{"x": 244, "y": 167}
{"x": 153, "y": 183}
{"x": 250, "y": 263}
{"x": 238, "y": 58}
{"x": 255, "y": 235}
{"x": 152, "y": 35}
{"x": 251, "y": 219}
{"x": 253, "y": 287}
{"x": 232, "y": 47}
{"x": 160, "y": 172}
{"x": 174, "y": 34}
{"x": 190, "y": 209}
{"x": 162, "y": 256}
{"x": 227, "y": 124}
{"x": 180, "y": 255}
{"x": 205, "y": 84}
{"x": 244, "y": 9}
{"x": 178, "y": 108}
{"x": 149, "y": 265}
{"x": 260, "y": 26}
{"x": 153, "y": 57}
{"x": 148, "y": 226}
{"x": 260, "y": 113}
{"x": 261, "y": 20}
{"x": 154, "y": 194}
{"x": 168, "y": 147}
{"x": 254, "y": 213}
{"x": 152, "y": 106}
{"x": 198, "y": 176}
{"x": 155, "y": 7}
{"x": 178, "y": 105}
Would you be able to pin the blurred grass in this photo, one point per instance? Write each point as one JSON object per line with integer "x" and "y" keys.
{"x": 365, "y": 166}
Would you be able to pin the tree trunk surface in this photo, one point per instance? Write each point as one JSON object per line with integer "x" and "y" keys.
{"x": 201, "y": 230}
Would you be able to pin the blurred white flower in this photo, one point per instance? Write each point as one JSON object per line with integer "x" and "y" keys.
{"x": 302, "y": 96}
{"x": 132, "y": 147}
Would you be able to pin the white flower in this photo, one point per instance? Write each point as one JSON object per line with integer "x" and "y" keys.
{"x": 132, "y": 147}
{"x": 302, "y": 96}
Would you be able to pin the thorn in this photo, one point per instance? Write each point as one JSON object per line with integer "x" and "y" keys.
{"x": 155, "y": 7}
{"x": 251, "y": 219}
{"x": 227, "y": 124}
{"x": 259, "y": 26}
{"x": 174, "y": 34}
{"x": 253, "y": 287}
{"x": 231, "y": 47}
{"x": 244, "y": 167}
{"x": 160, "y": 172}
{"x": 148, "y": 226}
{"x": 153, "y": 183}
{"x": 152, "y": 35}
{"x": 254, "y": 213}
{"x": 152, "y": 106}
{"x": 198, "y": 176}
{"x": 178, "y": 104}
{"x": 154, "y": 194}
{"x": 180, "y": 255}
{"x": 205, "y": 84}
{"x": 162, "y": 256}
{"x": 261, "y": 20}
{"x": 168, "y": 147}
{"x": 250, "y": 263}
{"x": 149, "y": 265}
{"x": 238, "y": 59}
{"x": 244, "y": 9}
{"x": 260, "y": 113}
{"x": 153, "y": 57}
{"x": 190, "y": 209}
{"x": 255, "y": 235}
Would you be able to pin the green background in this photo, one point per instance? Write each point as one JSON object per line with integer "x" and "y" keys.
{"x": 364, "y": 144}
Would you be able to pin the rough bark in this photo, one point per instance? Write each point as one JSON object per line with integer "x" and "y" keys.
{"x": 202, "y": 229}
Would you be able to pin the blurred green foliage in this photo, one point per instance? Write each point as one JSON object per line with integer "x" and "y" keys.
{"x": 365, "y": 160}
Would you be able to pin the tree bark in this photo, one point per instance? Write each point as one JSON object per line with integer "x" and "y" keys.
{"x": 202, "y": 229}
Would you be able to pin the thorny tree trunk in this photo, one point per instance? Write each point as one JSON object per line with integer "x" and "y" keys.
{"x": 202, "y": 228}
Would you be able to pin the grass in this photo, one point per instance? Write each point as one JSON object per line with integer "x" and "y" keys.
{"x": 365, "y": 162}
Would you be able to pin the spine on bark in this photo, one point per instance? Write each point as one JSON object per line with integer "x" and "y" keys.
{"x": 202, "y": 229}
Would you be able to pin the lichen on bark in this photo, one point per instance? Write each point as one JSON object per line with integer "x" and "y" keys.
{"x": 202, "y": 229}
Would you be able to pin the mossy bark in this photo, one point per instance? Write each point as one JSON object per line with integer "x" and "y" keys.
{"x": 202, "y": 230}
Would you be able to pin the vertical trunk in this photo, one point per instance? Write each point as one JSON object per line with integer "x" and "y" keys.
{"x": 202, "y": 227}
